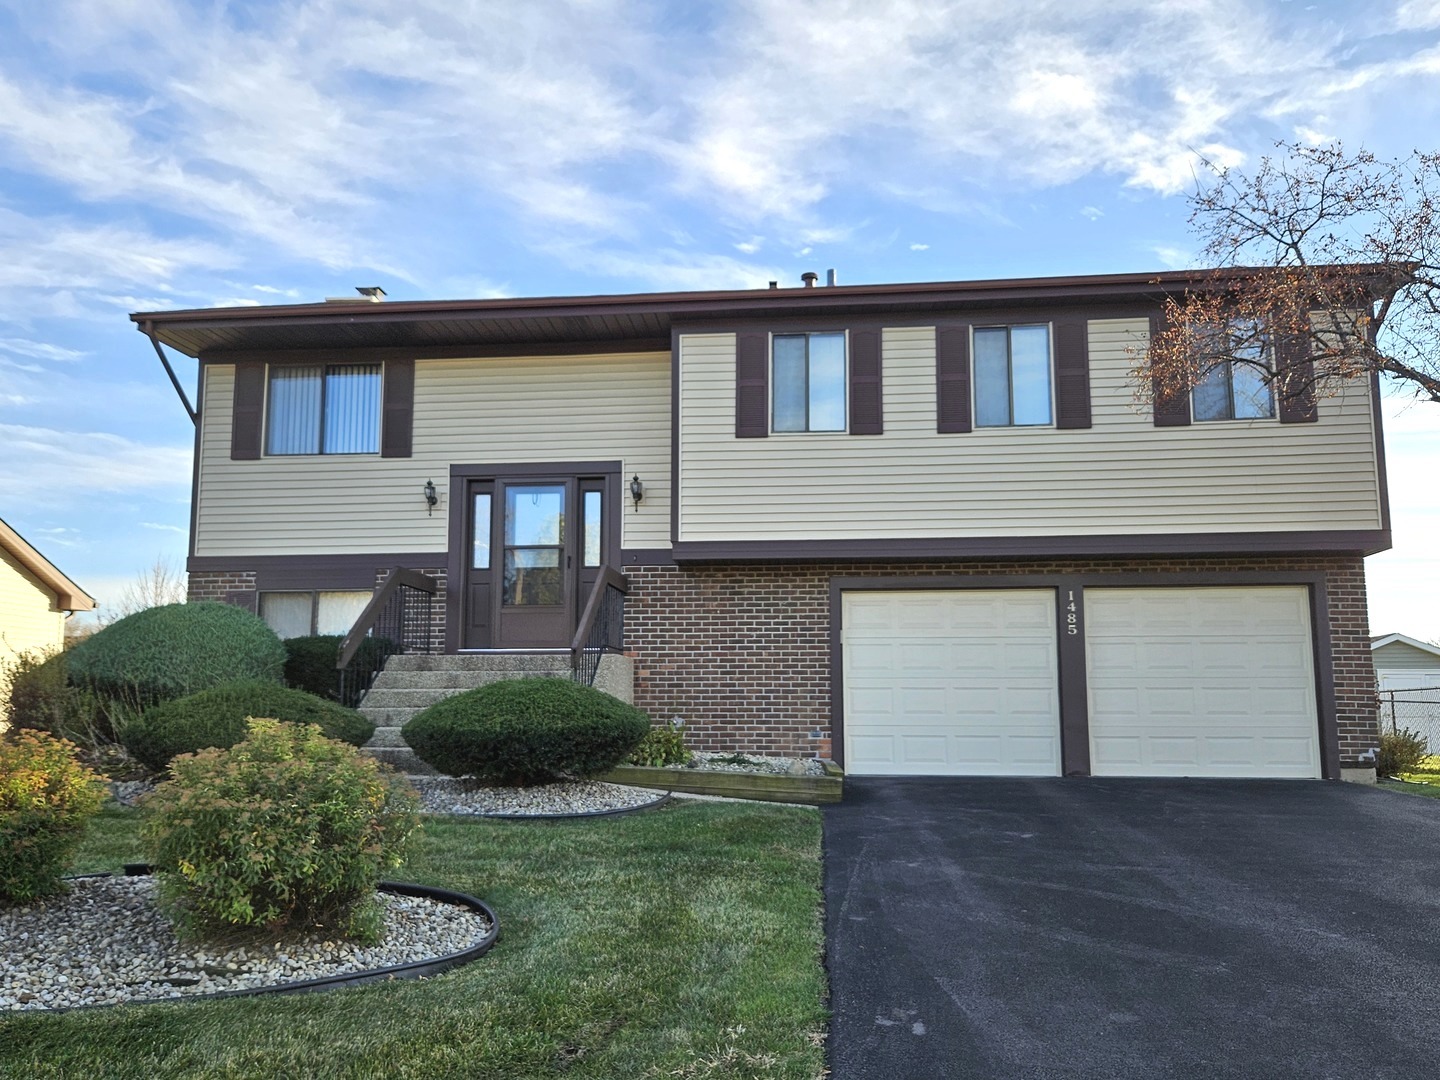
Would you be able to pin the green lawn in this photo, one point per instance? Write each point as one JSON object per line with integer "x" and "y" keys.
{"x": 680, "y": 942}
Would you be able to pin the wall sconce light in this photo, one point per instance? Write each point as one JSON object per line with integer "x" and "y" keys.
{"x": 430, "y": 497}
{"x": 637, "y": 490}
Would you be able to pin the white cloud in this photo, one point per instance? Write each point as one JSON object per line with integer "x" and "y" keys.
{"x": 40, "y": 350}
{"x": 164, "y": 528}
{"x": 751, "y": 246}
{"x": 1418, "y": 15}
{"x": 1172, "y": 258}
{"x": 46, "y": 465}
{"x": 1094, "y": 213}
{"x": 919, "y": 247}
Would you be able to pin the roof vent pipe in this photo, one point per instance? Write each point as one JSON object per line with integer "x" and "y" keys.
{"x": 774, "y": 284}
{"x": 374, "y": 293}
{"x": 830, "y": 277}
{"x": 809, "y": 278}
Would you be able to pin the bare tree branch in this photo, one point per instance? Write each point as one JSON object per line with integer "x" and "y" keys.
{"x": 1339, "y": 256}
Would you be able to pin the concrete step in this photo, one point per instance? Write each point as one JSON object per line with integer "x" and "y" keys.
{"x": 388, "y": 717}
{"x": 554, "y": 660}
{"x": 387, "y": 736}
{"x": 402, "y": 758}
{"x": 405, "y": 699}
{"x": 458, "y": 679}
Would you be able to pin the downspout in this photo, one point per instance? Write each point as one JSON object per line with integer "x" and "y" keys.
{"x": 149, "y": 331}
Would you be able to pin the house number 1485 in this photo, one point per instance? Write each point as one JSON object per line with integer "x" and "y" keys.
{"x": 1072, "y": 613}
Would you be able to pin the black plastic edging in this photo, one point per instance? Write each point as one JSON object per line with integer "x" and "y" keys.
{"x": 417, "y": 969}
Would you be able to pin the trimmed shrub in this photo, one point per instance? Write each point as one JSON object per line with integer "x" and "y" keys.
{"x": 310, "y": 662}
{"x": 46, "y": 797}
{"x": 663, "y": 745}
{"x": 286, "y": 831}
{"x": 526, "y": 731}
{"x": 42, "y": 699}
{"x": 216, "y": 717}
{"x": 1401, "y": 751}
{"x": 178, "y": 649}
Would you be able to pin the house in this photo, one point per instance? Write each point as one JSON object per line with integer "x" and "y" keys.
{"x": 35, "y": 599}
{"x": 923, "y": 528}
{"x": 1407, "y": 673}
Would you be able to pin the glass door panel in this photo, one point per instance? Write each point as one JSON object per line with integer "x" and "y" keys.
{"x": 534, "y": 545}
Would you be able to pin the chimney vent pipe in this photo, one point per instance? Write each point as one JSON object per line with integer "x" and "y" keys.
{"x": 830, "y": 277}
{"x": 809, "y": 278}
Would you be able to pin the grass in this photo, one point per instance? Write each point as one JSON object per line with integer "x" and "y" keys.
{"x": 681, "y": 942}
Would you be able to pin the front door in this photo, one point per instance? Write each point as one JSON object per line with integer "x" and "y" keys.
{"x": 534, "y": 547}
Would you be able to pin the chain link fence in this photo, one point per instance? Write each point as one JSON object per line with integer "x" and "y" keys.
{"x": 1414, "y": 710}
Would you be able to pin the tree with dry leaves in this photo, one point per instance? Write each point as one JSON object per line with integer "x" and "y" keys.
{"x": 1325, "y": 268}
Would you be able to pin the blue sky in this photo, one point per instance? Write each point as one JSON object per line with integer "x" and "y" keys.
{"x": 157, "y": 154}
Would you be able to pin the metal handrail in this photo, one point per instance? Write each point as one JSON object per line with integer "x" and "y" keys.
{"x": 602, "y": 625}
{"x": 401, "y": 610}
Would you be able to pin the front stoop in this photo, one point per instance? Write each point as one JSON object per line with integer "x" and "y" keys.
{"x": 410, "y": 683}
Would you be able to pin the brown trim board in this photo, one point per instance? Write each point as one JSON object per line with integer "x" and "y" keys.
{"x": 1381, "y": 475}
{"x": 1074, "y": 710}
{"x": 286, "y": 572}
{"x": 195, "y": 461}
{"x": 1364, "y": 541}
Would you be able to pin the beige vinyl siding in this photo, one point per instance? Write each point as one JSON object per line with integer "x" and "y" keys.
{"x": 1123, "y": 475}
{"x": 490, "y": 411}
{"x": 29, "y": 617}
{"x": 1397, "y": 656}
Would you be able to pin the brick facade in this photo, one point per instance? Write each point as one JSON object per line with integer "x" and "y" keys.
{"x": 742, "y": 652}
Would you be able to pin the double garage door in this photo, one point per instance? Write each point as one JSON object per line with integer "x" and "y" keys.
{"x": 1214, "y": 681}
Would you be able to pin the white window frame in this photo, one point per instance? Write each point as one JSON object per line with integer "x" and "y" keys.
{"x": 975, "y": 423}
{"x": 844, "y": 336}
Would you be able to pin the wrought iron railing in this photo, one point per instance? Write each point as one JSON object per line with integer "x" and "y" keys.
{"x": 1416, "y": 710}
{"x": 398, "y": 619}
{"x": 602, "y": 626}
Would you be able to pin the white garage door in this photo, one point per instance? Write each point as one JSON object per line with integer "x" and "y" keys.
{"x": 950, "y": 683}
{"x": 1201, "y": 682}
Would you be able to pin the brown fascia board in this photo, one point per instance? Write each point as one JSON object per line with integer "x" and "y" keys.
{"x": 68, "y": 595}
{"x": 679, "y": 305}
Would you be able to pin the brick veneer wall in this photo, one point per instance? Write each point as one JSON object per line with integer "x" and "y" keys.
{"x": 742, "y": 652}
{"x": 239, "y": 587}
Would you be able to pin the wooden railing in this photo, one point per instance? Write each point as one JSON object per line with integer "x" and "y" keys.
{"x": 398, "y": 619}
{"x": 602, "y": 625}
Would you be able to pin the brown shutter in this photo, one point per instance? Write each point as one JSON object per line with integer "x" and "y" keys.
{"x": 399, "y": 410}
{"x": 1072, "y": 373}
{"x": 1294, "y": 381}
{"x": 866, "y": 392}
{"x": 952, "y": 378}
{"x": 1171, "y": 409}
{"x": 247, "y": 419}
{"x": 752, "y": 385}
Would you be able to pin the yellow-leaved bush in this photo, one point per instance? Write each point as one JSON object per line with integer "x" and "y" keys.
{"x": 285, "y": 832}
{"x": 46, "y": 798}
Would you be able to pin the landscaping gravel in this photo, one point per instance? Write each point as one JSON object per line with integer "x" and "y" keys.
{"x": 756, "y": 763}
{"x": 446, "y": 795}
{"x": 106, "y": 942}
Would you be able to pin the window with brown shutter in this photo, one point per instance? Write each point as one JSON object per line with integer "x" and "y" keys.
{"x": 867, "y": 405}
{"x": 952, "y": 378}
{"x": 1072, "y": 373}
{"x": 752, "y": 385}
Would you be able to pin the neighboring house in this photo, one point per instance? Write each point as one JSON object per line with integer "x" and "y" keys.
{"x": 923, "y": 529}
{"x": 1407, "y": 672}
{"x": 35, "y": 599}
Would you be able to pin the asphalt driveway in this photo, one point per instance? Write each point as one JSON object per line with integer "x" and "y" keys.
{"x": 1132, "y": 928}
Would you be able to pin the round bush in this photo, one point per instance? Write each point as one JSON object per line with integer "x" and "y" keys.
{"x": 167, "y": 652}
{"x": 216, "y": 717}
{"x": 286, "y": 830}
{"x": 526, "y": 731}
{"x": 310, "y": 662}
{"x": 46, "y": 797}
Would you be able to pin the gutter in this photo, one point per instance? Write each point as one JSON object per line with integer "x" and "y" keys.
{"x": 148, "y": 329}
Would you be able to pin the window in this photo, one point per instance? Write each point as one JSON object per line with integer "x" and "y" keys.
{"x": 808, "y": 382}
{"x": 300, "y": 614}
{"x": 1012, "y": 376}
{"x": 324, "y": 409}
{"x": 1237, "y": 388}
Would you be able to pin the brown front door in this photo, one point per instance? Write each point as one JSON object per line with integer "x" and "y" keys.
{"x": 534, "y": 546}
